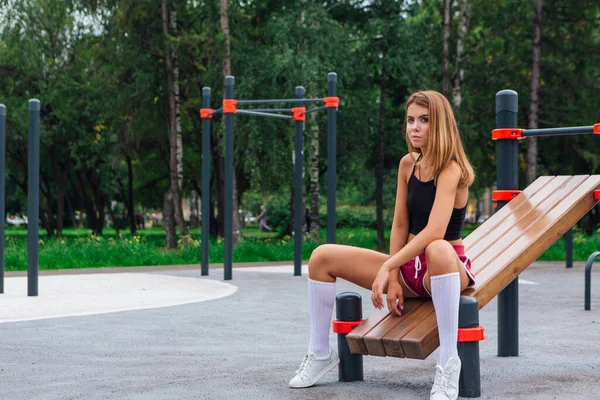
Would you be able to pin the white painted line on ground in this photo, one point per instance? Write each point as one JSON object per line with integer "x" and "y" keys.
{"x": 89, "y": 294}
{"x": 278, "y": 269}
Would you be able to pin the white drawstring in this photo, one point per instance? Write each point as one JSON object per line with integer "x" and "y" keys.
{"x": 417, "y": 266}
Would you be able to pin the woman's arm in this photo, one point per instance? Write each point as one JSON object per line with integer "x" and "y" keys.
{"x": 400, "y": 225}
{"x": 438, "y": 219}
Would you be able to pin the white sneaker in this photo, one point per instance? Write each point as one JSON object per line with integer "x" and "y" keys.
{"x": 312, "y": 369}
{"x": 445, "y": 386}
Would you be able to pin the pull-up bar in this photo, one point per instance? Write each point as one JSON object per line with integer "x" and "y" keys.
{"x": 229, "y": 109}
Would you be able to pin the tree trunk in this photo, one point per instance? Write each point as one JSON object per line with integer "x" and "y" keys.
{"x": 169, "y": 220}
{"x": 314, "y": 179}
{"x": 463, "y": 25}
{"x": 380, "y": 155}
{"x": 129, "y": 199}
{"x": 446, "y": 49}
{"x": 534, "y": 94}
{"x": 175, "y": 143}
{"x": 237, "y": 232}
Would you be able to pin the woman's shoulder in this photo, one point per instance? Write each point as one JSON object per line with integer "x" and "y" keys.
{"x": 409, "y": 159}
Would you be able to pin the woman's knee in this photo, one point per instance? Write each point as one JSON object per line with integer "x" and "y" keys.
{"x": 441, "y": 258}
{"x": 319, "y": 259}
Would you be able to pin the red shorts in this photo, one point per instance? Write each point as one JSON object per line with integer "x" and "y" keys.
{"x": 413, "y": 272}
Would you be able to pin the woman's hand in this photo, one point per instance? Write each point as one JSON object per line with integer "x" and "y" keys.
{"x": 379, "y": 286}
{"x": 395, "y": 298}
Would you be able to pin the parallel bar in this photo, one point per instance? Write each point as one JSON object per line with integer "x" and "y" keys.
{"x": 271, "y": 109}
{"x": 228, "y": 255}
{"x": 272, "y": 101}
{"x": 331, "y": 158}
{"x": 298, "y": 207}
{"x": 33, "y": 198}
{"x": 217, "y": 111}
{"x": 557, "y": 131}
{"x": 205, "y": 183}
{"x": 262, "y": 114}
{"x": 507, "y": 106}
{"x": 315, "y": 109}
{"x": 2, "y": 190}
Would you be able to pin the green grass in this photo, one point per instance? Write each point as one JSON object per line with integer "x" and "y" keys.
{"x": 80, "y": 249}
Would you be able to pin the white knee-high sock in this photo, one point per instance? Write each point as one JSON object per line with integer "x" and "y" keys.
{"x": 321, "y": 298}
{"x": 445, "y": 292}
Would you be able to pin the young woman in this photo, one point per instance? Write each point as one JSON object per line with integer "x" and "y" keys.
{"x": 427, "y": 255}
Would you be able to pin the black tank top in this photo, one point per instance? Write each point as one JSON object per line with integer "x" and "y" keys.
{"x": 420, "y": 202}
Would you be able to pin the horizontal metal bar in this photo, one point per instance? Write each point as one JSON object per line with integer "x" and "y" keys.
{"x": 262, "y": 114}
{"x": 558, "y": 131}
{"x": 271, "y": 109}
{"x": 315, "y": 109}
{"x": 240, "y": 102}
{"x": 218, "y": 111}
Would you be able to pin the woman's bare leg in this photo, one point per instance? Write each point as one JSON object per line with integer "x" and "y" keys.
{"x": 354, "y": 264}
{"x": 445, "y": 279}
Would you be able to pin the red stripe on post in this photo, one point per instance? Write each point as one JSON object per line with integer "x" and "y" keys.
{"x": 507, "y": 133}
{"x": 504, "y": 195}
{"x": 471, "y": 334}
{"x": 206, "y": 113}
{"x": 344, "y": 327}
{"x": 597, "y": 194}
{"x": 596, "y": 128}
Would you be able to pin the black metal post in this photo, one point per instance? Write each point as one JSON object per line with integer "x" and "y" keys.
{"x": 469, "y": 384}
{"x": 507, "y": 109}
{"x": 348, "y": 309}
{"x": 331, "y": 158}
{"x": 33, "y": 198}
{"x": 205, "y": 183}
{"x": 228, "y": 256}
{"x": 2, "y": 190}
{"x": 588, "y": 279}
{"x": 298, "y": 203}
{"x": 569, "y": 248}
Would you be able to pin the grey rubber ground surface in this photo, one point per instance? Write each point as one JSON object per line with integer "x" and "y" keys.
{"x": 247, "y": 346}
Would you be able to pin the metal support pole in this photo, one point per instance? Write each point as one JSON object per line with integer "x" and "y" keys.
{"x": 205, "y": 183}
{"x": 228, "y": 256}
{"x": 588, "y": 280}
{"x": 507, "y": 109}
{"x": 2, "y": 190}
{"x": 33, "y": 198}
{"x": 298, "y": 203}
{"x": 331, "y": 158}
{"x": 469, "y": 384}
{"x": 348, "y": 309}
{"x": 569, "y": 248}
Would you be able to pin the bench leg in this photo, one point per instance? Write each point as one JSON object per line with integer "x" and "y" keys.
{"x": 469, "y": 335}
{"x": 348, "y": 309}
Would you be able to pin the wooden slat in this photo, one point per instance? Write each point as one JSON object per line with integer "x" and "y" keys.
{"x": 537, "y": 238}
{"x": 355, "y": 338}
{"x": 514, "y": 218}
{"x": 516, "y": 233}
{"x": 546, "y": 231}
{"x": 505, "y": 211}
{"x": 373, "y": 339}
{"x": 391, "y": 341}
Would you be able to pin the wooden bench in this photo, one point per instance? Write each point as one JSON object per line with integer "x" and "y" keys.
{"x": 500, "y": 249}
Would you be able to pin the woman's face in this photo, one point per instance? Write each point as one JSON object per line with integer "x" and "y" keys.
{"x": 417, "y": 125}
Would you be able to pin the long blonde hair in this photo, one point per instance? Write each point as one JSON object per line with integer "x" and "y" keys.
{"x": 445, "y": 144}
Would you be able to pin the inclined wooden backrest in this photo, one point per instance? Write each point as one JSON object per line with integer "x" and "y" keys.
{"x": 500, "y": 249}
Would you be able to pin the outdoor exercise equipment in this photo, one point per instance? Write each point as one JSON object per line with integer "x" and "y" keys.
{"x": 298, "y": 115}
{"x": 33, "y": 195}
{"x": 507, "y": 135}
